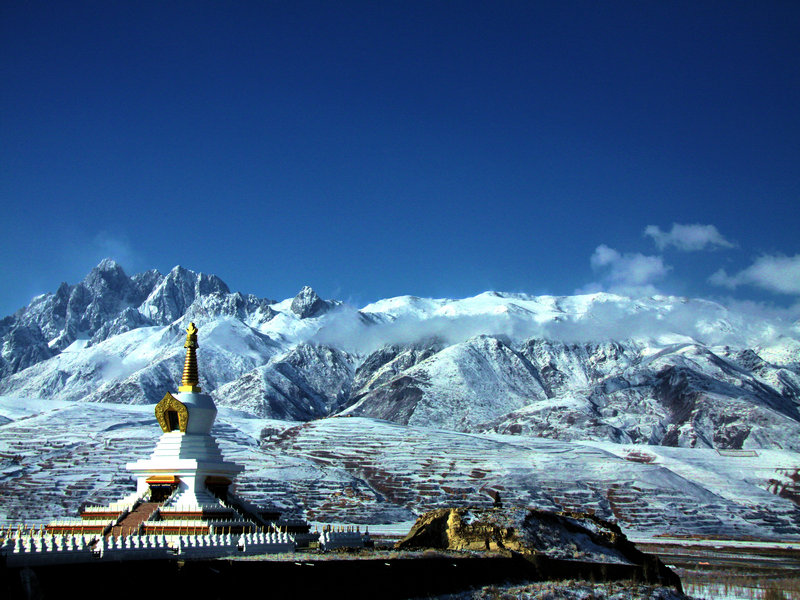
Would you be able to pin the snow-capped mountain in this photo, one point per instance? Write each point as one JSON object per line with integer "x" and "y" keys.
{"x": 662, "y": 370}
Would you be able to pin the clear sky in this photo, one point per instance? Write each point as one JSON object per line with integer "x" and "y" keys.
{"x": 372, "y": 149}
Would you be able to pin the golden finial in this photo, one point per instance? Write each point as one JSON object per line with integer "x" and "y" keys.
{"x": 190, "y": 380}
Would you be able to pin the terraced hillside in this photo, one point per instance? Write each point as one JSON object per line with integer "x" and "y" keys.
{"x": 57, "y": 455}
{"x": 667, "y": 491}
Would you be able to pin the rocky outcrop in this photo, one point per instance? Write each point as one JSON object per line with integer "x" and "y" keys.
{"x": 23, "y": 346}
{"x": 128, "y": 319}
{"x": 308, "y": 304}
{"x": 247, "y": 308}
{"x": 563, "y": 536}
{"x": 559, "y": 535}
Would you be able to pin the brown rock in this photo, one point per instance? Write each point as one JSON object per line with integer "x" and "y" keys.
{"x": 559, "y": 539}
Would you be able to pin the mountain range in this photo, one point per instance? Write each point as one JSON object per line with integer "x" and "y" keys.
{"x": 659, "y": 370}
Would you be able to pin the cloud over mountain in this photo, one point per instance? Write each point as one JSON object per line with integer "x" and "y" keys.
{"x": 630, "y": 273}
{"x": 776, "y": 273}
{"x": 688, "y": 238}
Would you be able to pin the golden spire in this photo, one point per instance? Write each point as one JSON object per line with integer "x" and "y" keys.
{"x": 190, "y": 380}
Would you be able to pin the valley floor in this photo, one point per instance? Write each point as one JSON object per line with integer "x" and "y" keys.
{"x": 733, "y": 570}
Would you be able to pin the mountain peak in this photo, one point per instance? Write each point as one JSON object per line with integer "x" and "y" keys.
{"x": 107, "y": 264}
{"x": 178, "y": 269}
{"x": 105, "y": 268}
{"x": 108, "y": 276}
{"x": 204, "y": 283}
{"x": 176, "y": 292}
{"x": 308, "y": 304}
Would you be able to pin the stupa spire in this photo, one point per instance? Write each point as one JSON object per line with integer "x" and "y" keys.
{"x": 190, "y": 381}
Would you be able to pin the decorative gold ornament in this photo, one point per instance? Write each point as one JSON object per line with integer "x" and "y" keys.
{"x": 170, "y": 403}
{"x": 163, "y": 479}
{"x": 190, "y": 381}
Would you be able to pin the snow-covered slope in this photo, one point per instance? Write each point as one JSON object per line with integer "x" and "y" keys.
{"x": 308, "y": 382}
{"x": 459, "y": 387}
{"x": 660, "y": 370}
{"x": 57, "y": 455}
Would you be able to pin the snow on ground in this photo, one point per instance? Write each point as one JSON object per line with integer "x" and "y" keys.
{"x": 56, "y": 455}
{"x": 736, "y": 480}
{"x": 287, "y": 327}
{"x": 14, "y": 407}
{"x": 405, "y": 306}
{"x": 427, "y": 468}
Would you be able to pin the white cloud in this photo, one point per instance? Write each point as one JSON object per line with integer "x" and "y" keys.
{"x": 722, "y": 278}
{"x": 687, "y": 237}
{"x": 627, "y": 270}
{"x": 744, "y": 324}
{"x": 604, "y": 256}
{"x": 774, "y": 273}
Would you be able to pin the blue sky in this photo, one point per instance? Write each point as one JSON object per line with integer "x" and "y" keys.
{"x": 372, "y": 149}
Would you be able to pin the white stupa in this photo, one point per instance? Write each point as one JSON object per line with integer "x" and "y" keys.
{"x": 186, "y": 463}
